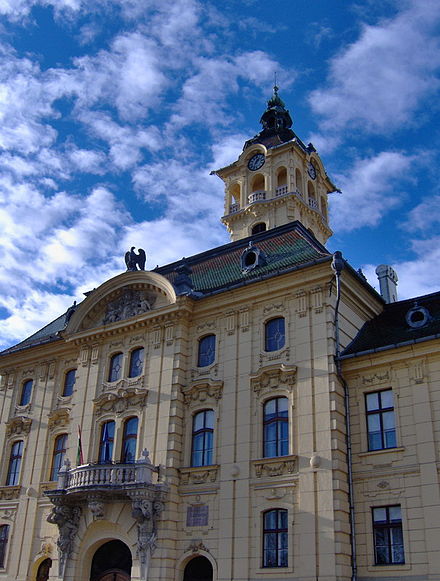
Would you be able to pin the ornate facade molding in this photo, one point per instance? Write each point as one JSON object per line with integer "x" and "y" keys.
{"x": 59, "y": 418}
{"x": 123, "y": 383}
{"x": 120, "y": 401}
{"x": 274, "y": 308}
{"x": 146, "y": 512}
{"x": 18, "y": 426}
{"x": 275, "y": 466}
{"x": 274, "y": 377}
{"x": 199, "y": 475}
{"x": 210, "y": 391}
{"x": 67, "y": 520}
{"x": 9, "y": 492}
{"x": 376, "y": 378}
{"x": 8, "y": 514}
{"x": 274, "y": 355}
{"x": 23, "y": 410}
{"x": 196, "y": 547}
{"x": 204, "y": 371}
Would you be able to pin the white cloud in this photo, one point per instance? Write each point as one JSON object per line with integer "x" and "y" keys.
{"x": 380, "y": 80}
{"x": 425, "y": 216}
{"x": 372, "y": 187}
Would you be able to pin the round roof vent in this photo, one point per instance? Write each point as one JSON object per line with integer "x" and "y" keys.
{"x": 417, "y": 316}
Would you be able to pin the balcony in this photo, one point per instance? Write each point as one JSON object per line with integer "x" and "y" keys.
{"x": 313, "y": 204}
{"x": 281, "y": 191}
{"x": 257, "y": 196}
{"x": 234, "y": 208}
{"x": 115, "y": 480}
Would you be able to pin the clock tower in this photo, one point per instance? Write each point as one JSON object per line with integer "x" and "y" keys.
{"x": 277, "y": 179}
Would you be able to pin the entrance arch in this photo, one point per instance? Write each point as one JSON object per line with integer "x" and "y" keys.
{"x": 111, "y": 562}
{"x": 44, "y": 570}
{"x": 198, "y": 569}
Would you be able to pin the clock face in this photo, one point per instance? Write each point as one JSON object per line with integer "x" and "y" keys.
{"x": 311, "y": 170}
{"x": 256, "y": 161}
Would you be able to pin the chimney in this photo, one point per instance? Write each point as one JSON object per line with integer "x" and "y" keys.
{"x": 388, "y": 282}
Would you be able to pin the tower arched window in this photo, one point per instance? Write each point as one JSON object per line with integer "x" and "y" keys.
{"x": 298, "y": 181}
{"x": 59, "y": 453}
{"x": 106, "y": 442}
{"x": 69, "y": 382}
{"x": 276, "y": 427}
{"x": 260, "y": 227}
{"x": 136, "y": 362}
{"x": 275, "y": 538}
{"x": 202, "y": 438}
{"x": 258, "y": 183}
{"x": 26, "y": 392}
{"x": 206, "y": 351}
{"x": 274, "y": 334}
{"x": 14, "y": 463}
{"x": 312, "y": 196}
{"x": 129, "y": 440}
{"x": 115, "y": 368}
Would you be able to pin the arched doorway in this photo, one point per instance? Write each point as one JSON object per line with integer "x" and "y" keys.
{"x": 43, "y": 570}
{"x": 198, "y": 569}
{"x": 111, "y": 562}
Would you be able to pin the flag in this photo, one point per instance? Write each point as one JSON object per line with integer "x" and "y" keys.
{"x": 79, "y": 454}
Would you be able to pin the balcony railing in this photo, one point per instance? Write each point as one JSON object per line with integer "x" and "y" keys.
{"x": 234, "y": 207}
{"x": 104, "y": 476}
{"x": 281, "y": 190}
{"x": 313, "y": 204}
{"x": 257, "y": 196}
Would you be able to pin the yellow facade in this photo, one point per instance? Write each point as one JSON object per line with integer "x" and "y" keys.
{"x": 238, "y": 466}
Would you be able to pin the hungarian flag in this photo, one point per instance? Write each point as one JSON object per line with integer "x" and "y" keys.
{"x": 79, "y": 453}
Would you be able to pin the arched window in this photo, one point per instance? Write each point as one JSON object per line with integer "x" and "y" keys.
{"x": 206, "y": 353}
{"x": 198, "y": 569}
{"x": 275, "y": 541}
{"x": 311, "y": 195}
{"x": 298, "y": 181}
{"x": 136, "y": 362}
{"x": 44, "y": 570}
{"x": 14, "y": 463}
{"x": 4, "y": 536}
{"x": 115, "y": 369}
{"x": 26, "y": 392}
{"x": 274, "y": 334}
{"x": 106, "y": 442}
{"x": 260, "y": 227}
{"x": 276, "y": 427}
{"x": 69, "y": 382}
{"x": 129, "y": 440}
{"x": 258, "y": 183}
{"x": 59, "y": 453}
{"x": 282, "y": 176}
{"x": 202, "y": 438}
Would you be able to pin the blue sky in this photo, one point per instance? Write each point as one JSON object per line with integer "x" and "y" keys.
{"x": 114, "y": 112}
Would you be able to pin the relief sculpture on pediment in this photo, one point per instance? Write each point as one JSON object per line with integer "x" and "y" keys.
{"x": 129, "y": 304}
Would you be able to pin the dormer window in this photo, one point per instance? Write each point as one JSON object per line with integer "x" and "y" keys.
{"x": 252, "y": 257}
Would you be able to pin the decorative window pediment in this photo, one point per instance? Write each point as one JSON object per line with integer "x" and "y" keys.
{"x": 274, "y": 377}
{"x": 18, "y": 426}
{"x": 59, "y": 418}
{"x": 200, "y": 392}
{"x": 120, "y": 401}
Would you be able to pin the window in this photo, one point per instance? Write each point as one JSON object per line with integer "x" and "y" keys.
{"x": 380, "y": 420}
{"x": 4, "y": 535}
{"x": 202, "y": 438}
{"x": 69, "y": 382}
{"x": 59, "y": 452}
{"x": 388, "y": 537}
{"x": 276, "y": 427}
{"x": 136, "y": 362}
{"x": 206, "y": 354}
{"x": 275, "y": 335}
{"x": 115, "y": 370}
{"x": 129, "y": 440}
{"x": 275, "y": 538}
{"x": 14, "y": 463}
{"x": 260, "y": 227}
{"x": 106, "y": 442}
{"x": 26, "y": 392}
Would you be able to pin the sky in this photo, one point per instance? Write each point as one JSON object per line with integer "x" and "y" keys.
{"x": 113, "y": 113}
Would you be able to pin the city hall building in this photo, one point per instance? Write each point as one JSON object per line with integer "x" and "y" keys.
{"x": 257, "y": 412}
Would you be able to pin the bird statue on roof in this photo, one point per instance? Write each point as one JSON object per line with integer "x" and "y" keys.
{"x": 132, "y": 260}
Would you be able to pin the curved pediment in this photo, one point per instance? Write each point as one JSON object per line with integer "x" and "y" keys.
{"x": 126, "y": 296}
